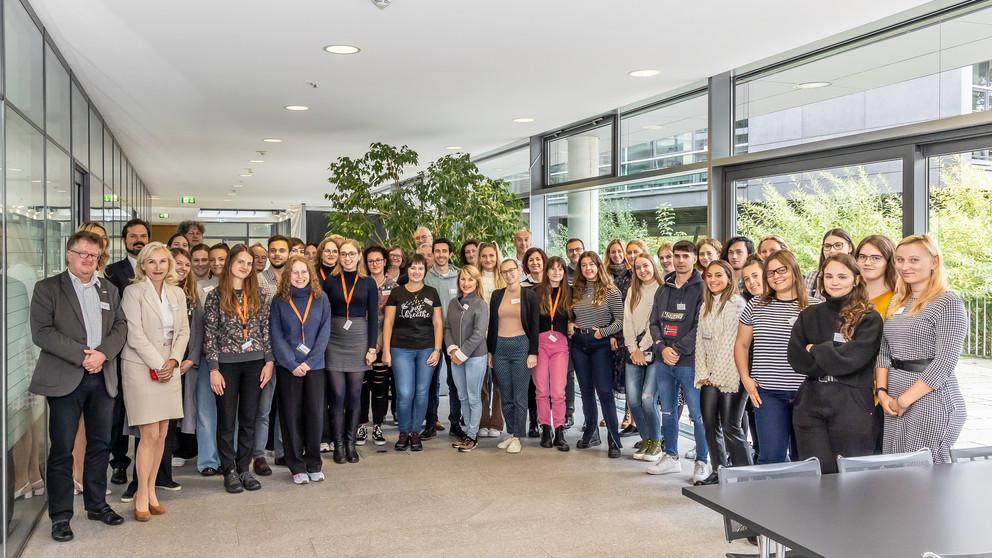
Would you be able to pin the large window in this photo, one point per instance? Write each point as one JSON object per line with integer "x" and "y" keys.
{"x": 58, "y": 208}
{"x": 56, "y": 99}
{"x": 669, "y": 136}
{"x": 862, "y": 199}
{"x": 23, "y": 64}
{"x": 513, "y": 167}
{"x": 581, "y": 155}
{"x": 80, "y": 127}
{"x": 925, "y": 74}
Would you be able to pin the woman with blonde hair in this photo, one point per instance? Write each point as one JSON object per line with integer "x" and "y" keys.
{"x": 465, "y": 329}
{"x": 491, "y": 423}
{"x": 921, "y": 343}
{"x": 158, "y": 333}
{"x": 770, "y": 244}
{"x": 641, "y": 370}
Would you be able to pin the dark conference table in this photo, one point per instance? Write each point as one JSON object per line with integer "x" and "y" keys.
{"x": 897, "y": 513}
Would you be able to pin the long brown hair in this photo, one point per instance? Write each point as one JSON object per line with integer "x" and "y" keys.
{"x": 636, "y": 283}
{"x": 188, "y": 285}
{"x": 603, "y": 280}
{"x": 725, "y": 295}
{"x": 788, "y": 259}
{"x": 936, "y": 286}
{"x": 252, "y": 293}
{"x": 888, "y": 249}
{"x": 623, "y": 250}
{"x": 544, "y": 288}
{"x": 285, "y": 288}
{"x": 857, "y": 304}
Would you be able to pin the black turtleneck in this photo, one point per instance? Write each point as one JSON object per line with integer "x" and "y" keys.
{"x": 851, "y": 361}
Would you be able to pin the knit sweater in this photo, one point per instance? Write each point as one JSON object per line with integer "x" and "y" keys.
{"x": 715, "y": 336}
{"x": 637, "y": 322}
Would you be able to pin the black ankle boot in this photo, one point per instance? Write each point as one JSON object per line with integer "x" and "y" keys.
{"x": 590, "y": 437}
{"x": 340, "y": 455}
{"x": 350, "y": 452}
{"x": 351, "y": 436}
{"x": 546, "y": 436}
{"x": 559, "y": 441}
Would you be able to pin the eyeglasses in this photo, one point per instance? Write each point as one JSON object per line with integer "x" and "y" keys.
{"x": 781, "y": 272}
{"x": 85, "y": 255}
{"x": 643, "y": 267}
{"x": 378, "y": 261}
{"x": 509, "y": 272}
{"x": 873, "y": 258}
{"x": 327, "y": 252}
{"x": 835, "y": 247}
{"x": 348, "y": 254}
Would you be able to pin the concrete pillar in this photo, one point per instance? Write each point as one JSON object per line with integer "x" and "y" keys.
{"x": 583, "y": 207}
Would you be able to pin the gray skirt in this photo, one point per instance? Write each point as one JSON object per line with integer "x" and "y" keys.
{"x": 347, "y": 348}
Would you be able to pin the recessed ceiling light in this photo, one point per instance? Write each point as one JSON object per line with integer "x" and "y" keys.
{"x": 454, "y": 148}
{"x": 256, "y": 161}
{"x": 296, "y": 108}
{"x": 272, "y": 140}
{"x": 643, "y": 73}
{"x": 523, "y": 120}
{"x": 812, "y": 85}
{"x": 342, "y": 49}
{"x": 238, "y": 186}
{"x": 245, "y": 176}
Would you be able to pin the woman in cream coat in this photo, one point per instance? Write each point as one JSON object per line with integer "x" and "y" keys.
{"x": 158, "y": 332}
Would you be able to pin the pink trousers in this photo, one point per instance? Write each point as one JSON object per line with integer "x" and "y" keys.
{"x": 549, "y": 378}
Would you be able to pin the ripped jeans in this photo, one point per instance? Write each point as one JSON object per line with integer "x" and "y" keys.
{"x": 669, "y": 378}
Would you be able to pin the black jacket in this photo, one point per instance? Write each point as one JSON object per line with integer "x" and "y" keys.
{"x": 530, "y": 314}
{"x": 851, "y": 362}
{"x": 673, "y": 325}
{"x": 120, "y": 275}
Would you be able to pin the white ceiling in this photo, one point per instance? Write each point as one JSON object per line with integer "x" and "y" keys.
{"x": 191, "y": 88}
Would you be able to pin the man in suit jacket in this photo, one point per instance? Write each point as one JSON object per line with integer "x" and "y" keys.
{"x": 135, "y": 234}
{"x": 78, "y": 323}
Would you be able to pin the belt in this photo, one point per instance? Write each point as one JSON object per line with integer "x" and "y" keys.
{"x": 586, "y": 330}
{"x": 827, "y": 379}
{"x": 919, "y": 365}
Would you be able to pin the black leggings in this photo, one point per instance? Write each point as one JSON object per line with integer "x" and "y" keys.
{"x": 722, "y": 414}
{"x": 375, "y": 393}
{"x": 347, "y": 390}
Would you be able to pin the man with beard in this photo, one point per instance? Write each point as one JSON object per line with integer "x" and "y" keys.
{"x": 136, "y": 234}
{"x": 201, "y": 263}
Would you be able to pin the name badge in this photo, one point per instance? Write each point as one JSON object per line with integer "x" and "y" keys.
{"x": 707, "y": 336}
{"x": 553, "y": 338}
{"x": 792, "y": 320}
{"x": 838, "y": 338}
{"x": 246, "y": 346}
{"x": 453, "y": 291}
{"x": 680, "y": 306}
{"x": 464, "y": 306}
{"x": 303, "y": 349}
{"x": 899, "y": 310}
{"x": 104, "y": 306}
{"x": 385, "y": 292}
{"x": 208, "y": 288}
{"x": 347, "y": 325}
{"x": 514, "y": 301}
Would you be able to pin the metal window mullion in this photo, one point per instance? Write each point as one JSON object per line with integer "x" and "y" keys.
{"x": 915, "y": 198}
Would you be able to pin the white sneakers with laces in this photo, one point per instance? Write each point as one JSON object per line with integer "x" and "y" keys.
{"x": 301, "y": 478}
{"x": 505, "y": 443}
{"x": 700, "y": 471}
{"x": 667, "y": 465}
{"x": 514, "y": 446}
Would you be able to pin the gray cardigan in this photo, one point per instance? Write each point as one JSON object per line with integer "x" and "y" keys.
{"x": 465, "y": 325}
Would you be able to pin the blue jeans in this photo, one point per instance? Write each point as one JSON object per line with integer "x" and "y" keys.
{"x": 413, "y": 383}
{"x": 206, "y": 420}
{"x": 262, "y": 416}
{"x": 773, "y": 421}
{"x": 468, "y": 379}
{"x": 669, "y": 380}
{"x": 641, "y": 385}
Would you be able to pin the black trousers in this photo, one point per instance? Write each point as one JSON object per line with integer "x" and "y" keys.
{"x": 434, "y": 397}
{"x": 301, "y": 401}
{"x": 722, "y": 415}
{"x": 375, "y": 393}
{"x": 532, "y": 403}
{"x": 119, "y": 441}
{"x": 570, "y": 389}
{"x": 831, "y": 419}
{"x": 89, "y": 400}
{"x": 237, "y": 408}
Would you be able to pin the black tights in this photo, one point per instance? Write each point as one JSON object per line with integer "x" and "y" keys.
{"x": 722, "y": 413}
{"x": 375, "y": 393}
{"x": 346, "y": 388}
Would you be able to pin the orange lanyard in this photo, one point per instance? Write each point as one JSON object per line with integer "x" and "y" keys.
{"x": 323, "y": 274}
{"x": 303, "y": 318}
{"x": 553, "y": 306}
{"x": 348, "y": 295}
{"x": 243, "y": 314}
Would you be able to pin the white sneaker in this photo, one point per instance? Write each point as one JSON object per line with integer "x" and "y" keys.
{"x": 505, "y": 443}
{"x": 301, "y": 478}
{"x": 325, "y": 447}
{"x": 691, "y": 454}
{"x": 700, "y": 471}
{"x": 493, "y": 433}
{"x": 178, "y": 462}
{"x": 483, "y": 433}
{"x": 316, "y": 477}
{"x": 514, "y": 446}
{"x": 667, "y": 465}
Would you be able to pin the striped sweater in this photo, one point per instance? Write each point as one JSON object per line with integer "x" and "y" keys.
{"x": 608, "y": 316}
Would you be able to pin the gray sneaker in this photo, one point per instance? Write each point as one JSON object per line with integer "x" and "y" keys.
{"x": 667, "y": 465}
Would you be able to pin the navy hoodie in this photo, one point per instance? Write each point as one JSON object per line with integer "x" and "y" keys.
{"x": 674, "y": 317}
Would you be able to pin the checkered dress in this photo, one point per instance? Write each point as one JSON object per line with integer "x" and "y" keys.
{"x": 936, "y": 332}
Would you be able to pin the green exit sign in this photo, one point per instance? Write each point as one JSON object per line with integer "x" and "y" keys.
{"x": 109, "y": 198}
{"x": 163, "y": 215}
{"x": 188, "y": 200}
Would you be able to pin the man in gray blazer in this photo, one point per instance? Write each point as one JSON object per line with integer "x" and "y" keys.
{"x": 77, "y": 322}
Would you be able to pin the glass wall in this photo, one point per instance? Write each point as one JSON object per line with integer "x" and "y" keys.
{"x": 513, "y": 167}
{"x": 582, "y": 155}
{"x": 671, "y": 135}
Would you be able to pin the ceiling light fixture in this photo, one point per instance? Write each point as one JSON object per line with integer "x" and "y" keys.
{"x": 382, "y": 4}
{"x": 643, "y": 73}
{"x": 296, "y": 108}
{"x": 342, "y": 49}
{"x": 813, "y": 85}
{"x": 272, "y": 140}
{"x": 246, "y": 176}
{"x": 238, "y": 186}
{"x": 454, "y": 148}
{"x": 523, "y": 120}
{"x": 227, "y": 199}
{"x": 256, "y": 161}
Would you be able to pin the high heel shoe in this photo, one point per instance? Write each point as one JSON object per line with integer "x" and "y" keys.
{"x": 156, "y": 509}
{"x": 141, "y": 516}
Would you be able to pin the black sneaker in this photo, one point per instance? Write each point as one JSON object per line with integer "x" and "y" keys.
{"x": 415, "y": 444}
{"x": 209, "y": 472}
{"x": 629, "y": 431}
{"x": 457, "y": 432}
{"x": 171, "y": 486}
{"x": 128, "y": 495}
{"x": 232, "y": 483}
{"x": 533, "y": 432}
{"x": 119, "y": 476}
{"x": 403, "y": 442}
{"x": 377, "y": 437}
{"x": 428, "y": 433}
{"x": 249, "y": 481}
{"x": 362, "y": 436}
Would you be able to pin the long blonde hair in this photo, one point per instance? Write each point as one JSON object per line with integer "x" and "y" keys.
{"x": 636, "y": 283}
{"x": 171, "y": 278}
{"x": 188, "y": 285}
{"x": 603, "y": 281}
{"x": 472, "y": 272}
{"x": 497, "y": 276}
{"x": 936, "y": 286}
{"x": 359, "y": 267}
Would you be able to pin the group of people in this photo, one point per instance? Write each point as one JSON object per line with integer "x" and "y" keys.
{"x": 855, "y": 357}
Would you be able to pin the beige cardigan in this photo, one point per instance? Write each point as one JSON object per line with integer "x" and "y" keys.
{"x": 637, "y": 321}
{"x": 145, "y": 334}
{"x": 715, "y": 336}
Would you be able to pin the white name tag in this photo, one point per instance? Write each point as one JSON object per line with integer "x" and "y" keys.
{"x": 899, "y": 310}
{"x": 464, "y": 306}
{"x": 838, "y": 338}
{"x": 453, "y": 291}
{"x": 680, "y": 306}
{"x": 385, "y": 292}
{"x": 208, "y": 288}
{"x": 303, "y": 349}
{"x": 104, "y": 306}
{"x": 792, "y": 320}
{"x": 246, "y": 346}
{"x": 707, "y": 336}
{"x": 553, "y": 338}
{"x": 347, "y": 325}
{"x": 514, "y": 301}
